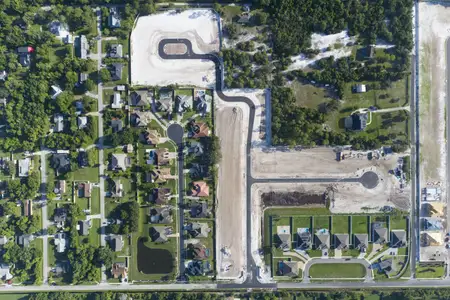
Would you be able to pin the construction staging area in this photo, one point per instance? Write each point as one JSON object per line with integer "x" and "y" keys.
{"x": 434, "y": 29}
{"x": 231, "y": 204}
{"x": 200, "y": 26}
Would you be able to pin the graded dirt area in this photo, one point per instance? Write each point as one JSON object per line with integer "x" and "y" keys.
{"x": 200, "y": 26}
{"x": 434, "y": 30}
{"x": 313, "y": 163}
{"x": 231, "y": 201}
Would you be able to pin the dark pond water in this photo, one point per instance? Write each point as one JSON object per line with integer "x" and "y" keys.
{"x": 154, "y": 261}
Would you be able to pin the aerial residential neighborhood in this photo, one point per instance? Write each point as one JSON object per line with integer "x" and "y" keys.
{"x": 272, "y": 149}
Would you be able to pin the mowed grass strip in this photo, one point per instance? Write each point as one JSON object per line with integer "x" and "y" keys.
{"x": 359, "y": 224}
{"x": 340, "y": 224}
{"x": 337, "y": 271}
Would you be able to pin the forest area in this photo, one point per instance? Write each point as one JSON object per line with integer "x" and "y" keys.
{"x": 284, "y": 29}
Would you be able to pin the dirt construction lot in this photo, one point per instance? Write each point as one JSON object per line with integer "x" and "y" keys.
{"x": 200, "y": 26}
{"x": 434, "y": 30}
{"x": 231, "y": 201}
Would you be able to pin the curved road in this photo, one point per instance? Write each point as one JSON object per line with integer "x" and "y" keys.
{"x": 252, "y": 269}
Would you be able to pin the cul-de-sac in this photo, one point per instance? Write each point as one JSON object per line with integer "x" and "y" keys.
{"x": 231, "y": 148}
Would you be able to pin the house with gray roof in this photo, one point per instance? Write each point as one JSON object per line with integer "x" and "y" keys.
{"x": 198, "y": 230}
{"x": 283, "y": 241}
{"x": 61, "y": 242}
{"x": 114, "y": 18}
{"x": 84, "y": 226}
{"x": 115, "y": 51}
{"x": 341, "y": 241}
{"x": 288, "y": 268}
{"x": 398, "y": 238}
{"x": 24, "y": 166}
{"x": 199, "y": 210}
{"x": 59, "y": 123}
{"x": 25, "y": 239}
{"x": 361, "y": 241}
{"x": 83, "y": 47}
{"x": 379, "y": 234}
{"x": 116, "y": 242}
{"x": 5, "y": 272}
{"x": 116, "y": 125}
{"x": 116, "y": 71}
{"x": 303, "y": 238}
{"x": 120, "y": 162}
{"x": 159, "y": 234}
{"x": 3, "y": 240}
{"x": 183, "y": 103}
{"x": 160, "y": 215}
{"x": 139, "y": 98}
{"x": 82, "y": 122}
{"x": 60, "y": 216}
{"x": 322, "y": 241}
{"x": 60, "y": 162}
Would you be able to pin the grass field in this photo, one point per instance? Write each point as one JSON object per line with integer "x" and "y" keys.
{"x": 301, "y": 222}
{"x": 340, "y": 224}
{"x": 359, "y": 224}
{"x": 307, "y": 95}
{"x": 430, "y": 272}
{"x": 337, "y": 271}
{"x": 86, "y": 174}
{"x": 95, "y": 201}
{"x": 321, "y": 222}
{"x": 397, "y": 222}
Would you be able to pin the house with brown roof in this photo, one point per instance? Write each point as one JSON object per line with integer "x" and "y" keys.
{"x": 201, "y": 189}
{"x": 198, "y": 251}
{"x": 161, "y": 196}
{"x": 152, "y": 137}
{"x": 62, "y": 186}
{"x": 119, "y": 271}
{"x": 199, "y": 130}
{"x": 28, "y": 208}
{"x": 162, "y": 156}
{"x": 84, "y": 190}
{"x": 159, "y": 175}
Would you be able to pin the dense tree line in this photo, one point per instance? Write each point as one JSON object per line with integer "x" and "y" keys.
{"x": 405, "y": 294}
{"x": 26, "y": 262}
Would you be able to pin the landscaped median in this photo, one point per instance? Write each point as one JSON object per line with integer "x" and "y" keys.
{"x": 343, "y": 270}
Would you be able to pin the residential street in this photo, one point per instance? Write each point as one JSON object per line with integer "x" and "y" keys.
{"x": 101, "y": 167}
{"x": 45, "y": 222}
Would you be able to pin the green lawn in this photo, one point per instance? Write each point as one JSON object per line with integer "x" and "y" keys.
{"x": 230, "y": 12}
{"x": 86, "y": 174}
{"x": 95, "y": 201}
{"x": 301, "y": 222}
{"x": 321, "y": 222}
{"x": 340, "y": 224}
{"x": 397, "y": 222}
{"x": 337, "y": 271}
{"x": 307, "y": 95}
{"x": 360, "y": 224}
{"x": 430, "y": 272}
{"x": 395, "y": 96}
{"x": 94, "y": 235}
{"x": 314, "y": 253}
{"x": 297, "y": 211}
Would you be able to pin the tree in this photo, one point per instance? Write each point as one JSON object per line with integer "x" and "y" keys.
{"x": 64, "y": 102}
{"x": 104, "y": 256}
{"x": 90, "y": 85}
{"x": 105, "y": 75}
{"x": 71, "y": 80}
